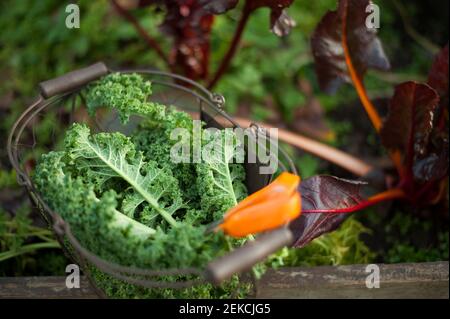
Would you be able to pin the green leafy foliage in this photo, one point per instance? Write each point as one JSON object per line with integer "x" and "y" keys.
{"x": 221, "y": 183}
{"x": 106, "y": 231}
{"x": 401, "y": 247}
{"x": 7, "y": 178}
{"x": 129, "y": 208}
{"x": 125, "y": 93}
{"x": 41, "y": 46}
{"x": 107, "y": 156}
{"x": 155, "y": 143}
{"x": 19, "y": 239}
{"x": 344, "y": 246}
{"x": 308, "y": 165}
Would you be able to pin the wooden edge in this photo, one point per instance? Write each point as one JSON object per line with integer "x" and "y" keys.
{"x": 44, "y": 288}
{"x": 413, "y": 280}
{"x": 408, "y": 280}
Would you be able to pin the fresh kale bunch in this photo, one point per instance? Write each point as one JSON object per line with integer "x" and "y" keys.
{"x": 127, "y": 202}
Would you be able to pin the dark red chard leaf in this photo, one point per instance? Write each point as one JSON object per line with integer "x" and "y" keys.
{"x": 280, "y": 22}
{"x": 364, "y": 46}
{"x": 409, "y": 124}
{"x": 323, "y": 193}
{"x": 438, "y": 77}
{"x": 189, "y": 22}
{"x": 433, "y": 166}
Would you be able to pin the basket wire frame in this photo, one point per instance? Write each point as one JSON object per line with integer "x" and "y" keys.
{"x": 19, "y": 149}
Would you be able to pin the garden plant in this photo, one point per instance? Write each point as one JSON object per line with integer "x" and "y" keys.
{"x": 364, "y": 194}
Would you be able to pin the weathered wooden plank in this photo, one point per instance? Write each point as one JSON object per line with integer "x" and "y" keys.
{"x": 419, "y": 280}
{"x": 44, "y": 287}
{"x": 414, "y": 280}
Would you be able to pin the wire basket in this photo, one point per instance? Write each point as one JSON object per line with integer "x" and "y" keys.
{"x": 61, "y": 100}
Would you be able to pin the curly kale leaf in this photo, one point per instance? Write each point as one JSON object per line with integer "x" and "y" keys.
{"x": 156, "y": 145}
{"x": 213, "y": 187}
{"x": 127, "y": 93}
{"x": 100, "y": 227}
{"x": 104, "y": 156}
{"x": 220, "y": 183}
{"x": 95, "y": 220}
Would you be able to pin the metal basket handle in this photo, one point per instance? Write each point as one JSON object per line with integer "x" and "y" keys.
{"x": 243, "y": 258}
{"x": 72, "y": 80}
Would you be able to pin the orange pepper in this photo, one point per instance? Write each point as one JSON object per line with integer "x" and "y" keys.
{"x": 270, "y": 207}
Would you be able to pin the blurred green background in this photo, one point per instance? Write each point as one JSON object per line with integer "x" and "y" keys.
{"x": 270, "y": 79}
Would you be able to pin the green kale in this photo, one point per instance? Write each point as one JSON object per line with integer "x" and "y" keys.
{"x": 114, "y": 287}
{"x": 219, "y": 182}
{"x": 101, "y": 228}
{"x": 127, "y": 202}
{"x": 209, "y": 188}
{"x": 156, "y": 144}
{"x": 94, "y": 220}
{"x": 127, "y": 93}
{"x": 98, "y": 224}
{"x": 112, "y": 155}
